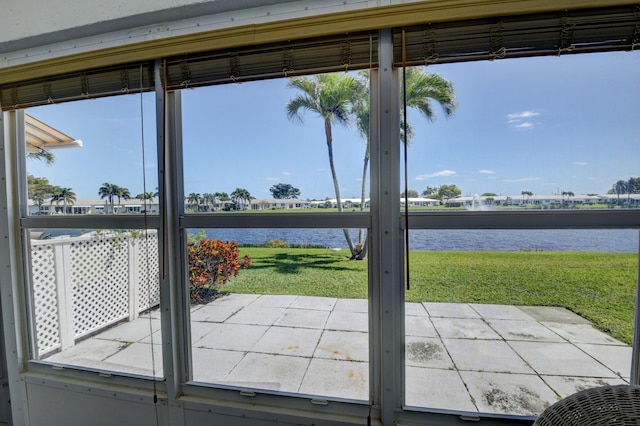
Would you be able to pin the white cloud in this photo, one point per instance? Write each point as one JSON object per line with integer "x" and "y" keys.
{"x": 528, "y": 179}
{"x": 519, "y": 120}
{"x": 441, "y": 173}
{"x": 521, "y": 115}
{"x": 486, "y": 172}
{"x": 580, "y": 163}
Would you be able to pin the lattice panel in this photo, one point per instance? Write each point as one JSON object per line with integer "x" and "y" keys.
{"x": 45, "y": 298}
{"x": 147, "y": 265}
{"x": 99, "y": 280}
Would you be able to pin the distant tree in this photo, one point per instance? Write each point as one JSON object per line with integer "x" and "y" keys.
{"x": 567, "y": 194}
{"x": 194, "y": 199}
{"x": 430, "y": 192}
{"x": 620, "y": 187}
{"x": 240, "y": 197}
{"x": 108, "y": 192}
{"x": 412, "y": 193}
{"x": 284, "y": 191}
{"x": 489, "y": 200}
{"x": 122, "y": 193}
{"x": 220, "y": 198}
{"x": 526, "y": 194}
{"x": 64, "y": 195}
{"x": 489, "y": 194}
{"x": 446, "y": 192}
{"x": 38, "y": 190}
{"x": 146, "y": 196}
{"x": 208, "y": 199}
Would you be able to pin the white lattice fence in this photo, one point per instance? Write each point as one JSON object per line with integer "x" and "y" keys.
{"x": 83, "y": 284}
{"x": 45, "y": 296}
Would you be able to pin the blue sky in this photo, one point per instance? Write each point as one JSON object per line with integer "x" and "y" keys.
{"x": 544, "y": 125}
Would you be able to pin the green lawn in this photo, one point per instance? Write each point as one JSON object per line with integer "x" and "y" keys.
{"x": 599, "y": 286}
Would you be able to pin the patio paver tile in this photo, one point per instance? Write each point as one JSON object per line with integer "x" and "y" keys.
{"x": 582, "y": 333}
{"x": 265, "y": 371}
{"x": 553, "y": 314}
{"x": 138, "y": 355}
{"x": 343, "y": 345}
{"x": 214, "y": 313}
{"x": 488, "y": 311}
{"x": 352, "y": 305}
{"x": 255, "y": 315}
{"x": 521, "y": 394}
{"x": 524, "y": 330}
{"x": 132, "y": 331}
{"x": 348, "y": 321}
{"x": 90, "y": 349}
{"x": 467, "y": 328}
{"x": 485, "y": 355}
{"x": 337, "y": 379}
{"x": 568, "y": 385}
{"x": 288, "y": 341}
{"x": 449, "y": 393}
{"x": 450, "y": 310}
{"x": 236, "y": 299}
{"x": 315, "y": 303}
{"x": 213, "y": 365}
{"x": 413, "y": 308}
{"x": 427, "y": 352}
{"x": 419, "y": 326}
{"x": 303, "y": 318}
{"x": 617, "y": 358}
{"x": 201, "y": 329}
{"x": 235, "y": 337}
{"x": 275, "y": 300}
{"x": 561, "y": 359}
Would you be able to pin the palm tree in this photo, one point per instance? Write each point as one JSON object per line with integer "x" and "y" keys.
{"x": 194, "y": 198}
{"x": 422, "y": 91}
{"x": 146, "y": 196}
{"x": 208, "y": 199}
{"x": 332, "y": 97}
{"x": 64, "y": 195}
{"x": 620, "y": 187}
{"x": 108, "y": 191}
{"x": 122, "y": 193}
{"x": 241, "y": 196}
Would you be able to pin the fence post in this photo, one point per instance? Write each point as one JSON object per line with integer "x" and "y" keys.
{"x": 62, "y": 262}
{"x": 133, "y": 276}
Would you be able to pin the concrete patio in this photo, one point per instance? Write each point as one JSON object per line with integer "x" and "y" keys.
{"x": 467, "y": 357}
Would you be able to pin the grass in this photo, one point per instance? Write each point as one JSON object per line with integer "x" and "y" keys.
{"x": 598, "y": 286}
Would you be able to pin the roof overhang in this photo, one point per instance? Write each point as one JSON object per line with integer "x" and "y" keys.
{"x": 41, "y": 136}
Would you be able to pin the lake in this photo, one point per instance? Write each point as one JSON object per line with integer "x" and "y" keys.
{"x": 605, "y": 240}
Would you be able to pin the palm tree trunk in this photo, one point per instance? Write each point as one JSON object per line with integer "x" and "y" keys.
{"x": 336, "y": 186}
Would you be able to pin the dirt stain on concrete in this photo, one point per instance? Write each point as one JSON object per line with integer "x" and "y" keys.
{"x": 518, "y": 401}
{"x": 423, "y": 351}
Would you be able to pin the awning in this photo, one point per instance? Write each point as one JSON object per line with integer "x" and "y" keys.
{"x": 41, "y": 136}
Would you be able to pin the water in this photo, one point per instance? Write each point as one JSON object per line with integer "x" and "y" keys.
{"x": 603, "y": 240}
